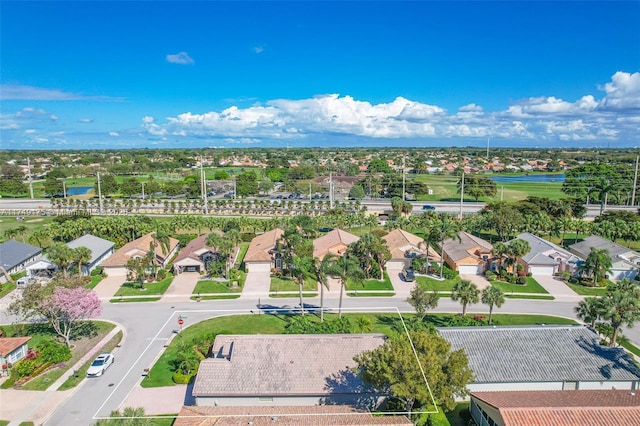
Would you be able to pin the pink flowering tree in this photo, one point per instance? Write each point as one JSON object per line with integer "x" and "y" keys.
{"x": 66, "y": 308}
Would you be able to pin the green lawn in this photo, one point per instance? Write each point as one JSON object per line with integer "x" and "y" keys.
{"x": 288, "y": 284}
{"x": 631, "y": 348}
{"x": 587, "y": 291}
{"x": 529, "y": 296}
{"x": 150, "y": 289}
{"x": 6, "y": 288}
{"x": 95, "y": 279}
{"x": 431, "y": 284}
{"x": 160, "y": 374}
{"x": 532, "y": 286}
{"x": 210, "y": 286}
{"x": 241, "y": 253}
{"x": 371, "y": 284}
{"x": 30, "y": 222}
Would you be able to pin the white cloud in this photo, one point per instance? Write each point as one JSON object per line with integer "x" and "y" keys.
{"x": 53, "y": 117}
{"x": 181, "y": 58}
{"x": 85, "y": 120}
{"x": 623, "y": 92}
{"x": 258, "y": 49}
{"x": 114, "y": 134}
{"x": 24, "y": 92}
{"x": 470, "y": 107}
{"x": 30, "y": 131}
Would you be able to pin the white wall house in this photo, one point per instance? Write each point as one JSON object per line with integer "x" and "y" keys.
{"x": 625, "y": 262}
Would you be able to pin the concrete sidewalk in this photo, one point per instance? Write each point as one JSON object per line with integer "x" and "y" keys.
{"x": 37, "y": 406}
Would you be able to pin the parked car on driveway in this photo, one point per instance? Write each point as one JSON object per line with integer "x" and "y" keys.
{"x": 408, "y": 275}
{"x": 100, "y": 364}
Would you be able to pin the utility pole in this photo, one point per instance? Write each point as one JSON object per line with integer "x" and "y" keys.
{"x": 635, "y": 183}
{"x": 99, "y": 194}
{"x": 142, "y": 190}
{"x": 487, "y": 148}
{"x": 461, "y": 195}
{"x": 203, "y": 187}
{"x": 30, "y": 178}
{"x": 330, "y": 190}
{"x": 64, "y": 189}
{"x": 502, "y": 193}
{"x": 403, "y": 178}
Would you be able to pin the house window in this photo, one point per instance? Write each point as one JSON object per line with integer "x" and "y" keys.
{"x": 569, "y": 385}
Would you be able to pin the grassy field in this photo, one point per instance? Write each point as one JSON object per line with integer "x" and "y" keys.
{"x": 583, "y": 290}
{"x": 6, "y": 288}
{"x": 150, "y": 289}
{"x": 210, "y": 286}
{"x": 161, "y": 372}
{"x": 371, "y": 284}
{"x": 532, "y": 286}
{"x": 437, "y": 285}
{"x": 288, "y": 284}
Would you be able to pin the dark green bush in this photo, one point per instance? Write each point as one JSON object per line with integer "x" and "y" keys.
{"x": 54, "y": 352}
{"x": 162, "y": 274}
{"x": 24, "y": 368}
{"x": 522, "y": 280}
{"x": 97, "y": 271}
{"x": 181, "y": 379}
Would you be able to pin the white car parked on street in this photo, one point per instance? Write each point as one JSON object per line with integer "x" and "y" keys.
{"x": 100, "y": 364}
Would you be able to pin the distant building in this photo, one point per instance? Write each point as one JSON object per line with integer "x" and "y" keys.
{"x": 333, "y": 242}
{"x": 101, "y": 250}
{"x": 261, "y": 256}
{"x": 141, "y": 247}
{"x": 468, "y": 254}
{"x": 624, "y": 261}
{"x": 546, "y": 258}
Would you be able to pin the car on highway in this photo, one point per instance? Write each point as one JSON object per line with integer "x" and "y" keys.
{"x": 408, "y": 275}
{"x": 100, "y": 364}
{"x": 428, "y": 207}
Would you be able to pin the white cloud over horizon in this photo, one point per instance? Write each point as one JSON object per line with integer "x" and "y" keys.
{"x": 543, "y": 119}
{"x": 27, "y": 93}
{"x": 181, "y": 58}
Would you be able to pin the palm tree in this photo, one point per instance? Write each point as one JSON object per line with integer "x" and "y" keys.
{"x": 517, "y": 249}
{"x": 597, "y": 265}
{"x": 448, "y": 229}
{"x": 621, "y": 306}
{"x": 344, "y": 267}
{"x": 319, "y": 270}
{"x": 82, "y": 255}
{"x": 499, "y": 250}
{"x": 589, "y": 310}
{"x": 466, "y": 292}
{"x": 62, "y": 255}
{"x": 492, "y": 296}
{"x": 301, "y": 266}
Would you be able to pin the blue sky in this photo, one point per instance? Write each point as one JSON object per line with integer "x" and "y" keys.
{"x": 164, "y": 74}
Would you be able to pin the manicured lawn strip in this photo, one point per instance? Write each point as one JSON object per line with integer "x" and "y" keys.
{"x": 6, "y": 288}
{"x": 74, "y": 380}
{"x": 211, "y": 286}
{"x": 135, "y": 299}
{"x": 631, "y": 348}
{"x": 532, "y": 286}
{"x": 43, "y": 381}
{"x": 587, "y": 291}
{"x": 431, "y": 284}
{"x": 243, "y": 251}
{"x": 363, "y": 293}
{"x": 531, "y": 296}
{"x": 4, "y": 422}
{"x": 371, "y": 284}
{"x": 288, "y": 284}
{"x": 160, "y": 374}
{"x": 95, "y": 279}
{"x": 221, "y": 297}
{"x": 289, "y": 295}
{"x": 155, "y": 288}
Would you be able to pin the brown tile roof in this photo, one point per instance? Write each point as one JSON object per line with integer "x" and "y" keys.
{"x": 399, "y": 241}
{"x": 565, "y": 407}
{"x": 259, "y": 247}
{"x": 334, "y": 242}
{"x": 273, "y": 365}
{"x": 193, "y": 246}
{"x": 139, "y": 247}
{"x": 10, "y": 344}
{"x": 466, "y": 246}
{"x": 317, "y": 415}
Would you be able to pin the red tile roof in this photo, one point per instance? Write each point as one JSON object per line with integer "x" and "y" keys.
{"x": 10, "y": 344}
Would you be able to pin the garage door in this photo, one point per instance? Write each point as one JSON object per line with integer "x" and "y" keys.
{"x": 259, "y": 267}
{"x": 542, "y": 270}
{"x": 115, "y": 272}
{"x": 470, "y": 269}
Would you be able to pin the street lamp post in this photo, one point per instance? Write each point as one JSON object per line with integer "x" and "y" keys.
{"x": 142, "y": 190}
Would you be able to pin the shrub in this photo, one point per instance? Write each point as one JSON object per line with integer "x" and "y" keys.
{"x": 460, "y": 321}
{"x": 449, "y": 273}
{"x": 24, "y": 368}
{"x": 97, "y": 271}
{"x": 54, "y": 352}
{"x": 162, "y": 274}
{"x": 522, "y": 280}
{"x": 490, "y": 276}
{"x": 181, "y": 379}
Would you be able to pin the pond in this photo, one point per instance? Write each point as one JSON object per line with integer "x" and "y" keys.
{"x": 78, "y": 190}
{"x": 542, "y": 178}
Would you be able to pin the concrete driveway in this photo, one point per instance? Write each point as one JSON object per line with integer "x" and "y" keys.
{"x": 556, "y": 287}
{"x": 478, "y": 280}
{"x": 109, "y": 286}
{"x": 257, "y": 284}
{"x": 401, "y": 288}
{"x": 181, "y": 287}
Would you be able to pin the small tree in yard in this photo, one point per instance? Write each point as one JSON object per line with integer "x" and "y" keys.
{"x": 422, "y": 300}
{"x": 63, "y": 308}
{"x": 621, "y": 306}
{"x": 492, "y": 296}
{"x": 466, "y": 292}
{"x": 392, "y": 369}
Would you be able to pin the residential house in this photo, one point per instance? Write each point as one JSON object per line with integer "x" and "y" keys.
{"x": 611, "y": 407}
{"x": 285, "y": 370}
{"x": 261, "y": 255}
{"x": 326, "y": 415}
{"x": 333, "y": 242}
{"x": 15, "y": 256}
{"x": 101, "y": 250}
{"x": 12, "y": 350}
{"x": 196, "y": 256}
{"x": 542, "y": 358}
{"x": 546, "y": 258}
{"x": 624, "y": 261}
{"x": 141, "y": 247}
{"x": 468, "y": 254}
{"x": 405, "y": 246}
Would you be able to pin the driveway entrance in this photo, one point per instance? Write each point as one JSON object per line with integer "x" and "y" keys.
{"x": 109, "y": 286}
{"x": 257, "y": 284}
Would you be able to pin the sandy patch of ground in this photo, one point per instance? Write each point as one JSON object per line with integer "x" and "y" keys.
{"x": 34, "y": 220}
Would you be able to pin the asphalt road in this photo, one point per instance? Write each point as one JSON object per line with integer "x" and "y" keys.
{"x": 149, "y": 326}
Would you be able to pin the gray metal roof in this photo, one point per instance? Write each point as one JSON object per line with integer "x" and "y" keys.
{"x": 616, "y": 251}
{"x": 97, "y": 245}
{"x": 540, "y": 246}
{"x": 13, "y": 253}
{"x": 254, "y": 365}
{"x": 540, "y": 354}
